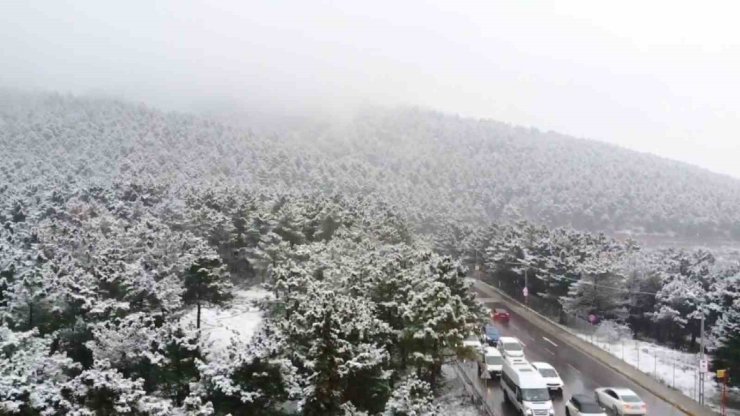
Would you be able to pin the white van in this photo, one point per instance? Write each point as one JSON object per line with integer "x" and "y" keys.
{"x": 525, "y": 389}
{"x": 510, "y": 347}
{"x": 490, "y": 362}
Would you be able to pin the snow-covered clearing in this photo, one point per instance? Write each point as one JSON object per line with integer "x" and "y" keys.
{"x": 675, "y": 369}
{"x": 240, "y": 318}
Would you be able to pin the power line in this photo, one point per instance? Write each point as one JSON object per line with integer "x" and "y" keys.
{"x": 581, "y": 280}
{"x": 640, "y": 292}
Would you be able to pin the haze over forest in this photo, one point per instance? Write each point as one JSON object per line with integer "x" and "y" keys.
{"x": 622, "y": 73}
{"x": 119, "y": 219}
{"x": 432, "y": 167}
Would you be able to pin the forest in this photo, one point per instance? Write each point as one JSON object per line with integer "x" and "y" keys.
{"x": 95, "y": 284}
{"x": 656, "y": 294}
{"x": 430, "y": 167}
{"x": 118, "y": 220}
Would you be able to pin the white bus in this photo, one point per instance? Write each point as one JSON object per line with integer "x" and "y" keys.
{"x": 525, "y": 389}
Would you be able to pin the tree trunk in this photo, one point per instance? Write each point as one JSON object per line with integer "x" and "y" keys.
{"x": 403, "y": 354}
{"x": 30, "y": 315}
{"x": 197, "y": 321}
{"x": 179, "y": 388}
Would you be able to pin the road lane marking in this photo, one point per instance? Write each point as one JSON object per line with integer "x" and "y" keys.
{"x": 553, "y": 344}
{"x": 529, "y": 336}
{"x": 546, "y": 349}
{"x": 576, "y": 370}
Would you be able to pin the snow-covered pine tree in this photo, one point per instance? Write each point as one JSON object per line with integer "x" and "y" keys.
{"x": 599, "y": 290}
{"x": 248, "y": 379}
{"x": 438, "y": 315}
{"x": 412, "y": 397}
{"x": 337, "y": 344}
{"x": 726, "y": 334}
{"x": 32, "y": 377}
{"x": 206, "y": 282}
{"x": 683, "y": 296}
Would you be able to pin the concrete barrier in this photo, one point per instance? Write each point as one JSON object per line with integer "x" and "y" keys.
{"x": 478, "y": 397}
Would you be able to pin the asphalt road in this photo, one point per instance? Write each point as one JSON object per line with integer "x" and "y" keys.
{"x": 580, "y": 372}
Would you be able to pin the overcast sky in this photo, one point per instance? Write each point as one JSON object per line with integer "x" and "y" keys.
{"x": 655, "y": 76}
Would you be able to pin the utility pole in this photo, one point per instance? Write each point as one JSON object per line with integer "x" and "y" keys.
{"x": 526, "y": 287}
{"x": 525, "y": 290}
{"x": 723, "y": 376}
{"x": 475, "y": 266}
{"x": 701, "y": 361}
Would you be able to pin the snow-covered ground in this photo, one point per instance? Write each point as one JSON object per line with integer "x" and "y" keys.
{"x": 453, "y": 399}
{"x": 240, "y": 318}
{"x": 673, "y": 368}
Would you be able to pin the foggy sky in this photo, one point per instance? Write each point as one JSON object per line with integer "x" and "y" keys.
{"x": 652, "y": 76}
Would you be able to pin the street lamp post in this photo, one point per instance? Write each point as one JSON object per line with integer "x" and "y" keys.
{"x": 525, "y": 291}
{"x": 701, "y": 361}
{"x": 526, "y": 288}
{"x": 475, "y": 265}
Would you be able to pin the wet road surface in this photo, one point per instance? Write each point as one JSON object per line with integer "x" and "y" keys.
{"x": 580, "y": 372}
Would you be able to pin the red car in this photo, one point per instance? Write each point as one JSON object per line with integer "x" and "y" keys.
{"x": 501, "y": 315}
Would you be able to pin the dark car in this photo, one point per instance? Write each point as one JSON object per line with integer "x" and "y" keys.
{"x": 583, "y": 405}
{"x": 490, "y": 335}
{"x": 501, "y": 315}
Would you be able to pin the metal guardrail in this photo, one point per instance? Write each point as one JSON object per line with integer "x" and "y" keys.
{"x": 479, "y": 399}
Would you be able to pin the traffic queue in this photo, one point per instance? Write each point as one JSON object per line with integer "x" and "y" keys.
{"x": 528, "y": 386}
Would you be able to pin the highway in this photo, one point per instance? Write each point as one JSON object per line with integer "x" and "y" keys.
{"x": 580, "y": 372}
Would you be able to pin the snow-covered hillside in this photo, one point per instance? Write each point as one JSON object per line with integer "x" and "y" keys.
{"x": 134, "y": 293}
{"x": 432, "y": 166}
{"x": 120, "y": 223}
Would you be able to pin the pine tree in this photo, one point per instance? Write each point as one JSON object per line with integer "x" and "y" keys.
{"x": 601, "y": 294}
{"x": 440, "y": 313}
{"x": 412, "y": 397}
{"x": 206, "y": 282}
{"x": 27, "y": 301}
{"x": 249, "y": 379}
{"x": 105, "y": 391}
{"x": 683, "y": 296}
{"x": 726, "y": 340}
{"x": 336, "y": 343}
{"x": 32, "y": 377}
{"x": 175, "y": 373}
